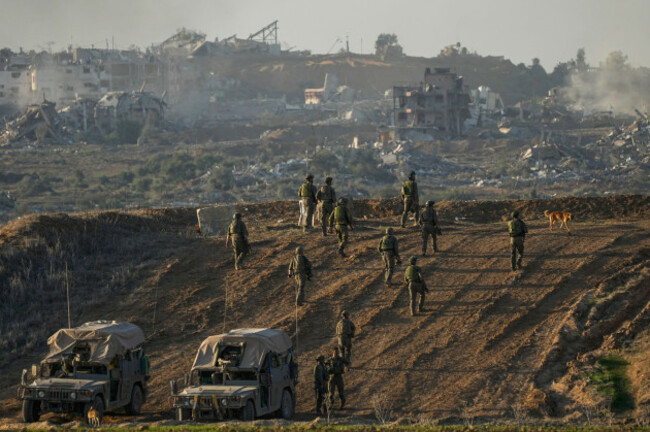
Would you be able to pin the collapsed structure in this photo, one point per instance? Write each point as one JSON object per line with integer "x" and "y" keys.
{"x": 439, "y": 104}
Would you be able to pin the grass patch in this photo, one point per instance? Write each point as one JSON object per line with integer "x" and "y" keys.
{"x": 375, "y": 428}
{"x": 611, "y": 380}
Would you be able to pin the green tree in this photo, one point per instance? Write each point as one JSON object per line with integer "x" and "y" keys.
{"x": 383, "y": 41}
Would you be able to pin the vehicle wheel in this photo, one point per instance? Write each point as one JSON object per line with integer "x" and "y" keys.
{"x": 135, "y": 405}
{"x": 31, "y": 410}
{"x": 248, "y": 412}
{"x": 98, "y": 403}
{"x": 183, "y": 414}
{"x": 287, "y": 405}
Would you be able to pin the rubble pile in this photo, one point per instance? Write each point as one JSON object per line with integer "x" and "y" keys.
{"x": 42, "y": 123}
{"x": 37, "y": 123}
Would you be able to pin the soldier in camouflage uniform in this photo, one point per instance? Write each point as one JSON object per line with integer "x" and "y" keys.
{"x": 238, "y": 235}
{"x": 341, "y": 219}
{"x": 345, "y": 330}
{"x": 336, "y": 368}
{"x": 410, "y": 198}
{"x": 321, "y": 378}
{"x": 300, "y": 269}
{"x": 389, "y": 250}
{"x": 307, "y": 194}
{"x": 326, "y": 197}
{"x": 417, "y": 286}
{"x": 517, "y": 230}
{"x": 430, "y": 227}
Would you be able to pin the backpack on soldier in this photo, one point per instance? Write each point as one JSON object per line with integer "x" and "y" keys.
{"x": 388, "y": 243}
{"x": 413, "y": 274}
{"x": 407, "y": 189}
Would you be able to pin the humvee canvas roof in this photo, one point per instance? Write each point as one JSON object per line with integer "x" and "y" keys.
{"x": 258, "y": 343}
{"x": 107, "y": 339}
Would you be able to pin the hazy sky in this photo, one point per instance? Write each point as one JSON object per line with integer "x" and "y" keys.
{"x": 518, "y": 29}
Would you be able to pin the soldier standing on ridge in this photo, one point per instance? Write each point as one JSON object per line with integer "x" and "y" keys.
{"x": 410, "y": 198}
{"x": 345, "y": 330}
{"x": 342, "y": 218}
{"x": 430, "y": 227}
{"x": 413, "y": 277}
{"x": 307, "y": 194}
{"x": 326, "y": 197}
{"x": 300, "y": 269}
{"x": 320, "y": 384}
{"x": 336, "y": 368}
{"x": 389, "y": 251}
{"x": 517, "y": 230}
{"x": 238, "y": 235}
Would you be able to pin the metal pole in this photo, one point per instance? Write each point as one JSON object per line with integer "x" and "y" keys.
{"x": 225, "y": 306}
{"x": 67, "y": 293}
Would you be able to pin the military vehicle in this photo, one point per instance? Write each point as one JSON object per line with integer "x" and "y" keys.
{"x": 100, "y": 364}
{"x": 243, "y": 374}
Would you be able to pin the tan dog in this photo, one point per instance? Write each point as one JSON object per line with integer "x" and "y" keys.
{"x": 93, "y": 418}
{"x": 563, "y": 217}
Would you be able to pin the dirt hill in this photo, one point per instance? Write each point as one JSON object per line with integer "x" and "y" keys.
{"x": 491, "y": 344}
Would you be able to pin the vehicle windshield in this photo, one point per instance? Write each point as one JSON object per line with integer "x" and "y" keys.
{"x": 227, "y": 377}
{"x": 74, "y": 369}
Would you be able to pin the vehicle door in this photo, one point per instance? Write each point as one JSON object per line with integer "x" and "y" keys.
{"x": 126, "y": 381}
{"x": 279, "y": 377}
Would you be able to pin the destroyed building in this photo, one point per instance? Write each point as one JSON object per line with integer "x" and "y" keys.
{"x": 440, "y": 104}
{"x": 330, "y": 92}
{"x": 140, "y": 107}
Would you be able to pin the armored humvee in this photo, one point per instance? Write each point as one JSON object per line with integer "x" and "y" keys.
{"x": 243, "y": 374}
{"x": 100, "y": 364}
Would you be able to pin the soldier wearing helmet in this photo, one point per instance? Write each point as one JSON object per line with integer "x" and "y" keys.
{"x": 320, "y": 384}
{"x": 517, "y": 230}
{"x": 345, "y": 330}
{"x": 326, "y": 197}
{"x": 416, "y": 285}
{"x": 341, "y": 220}
{"x": 410, "y": 199}
{"x": 307, "y": 195}
{"x": 300, "y": 270}
{"x": 430, "y": 227}
{"x": 389, "y": 250}
{"x": 238, "y": 236}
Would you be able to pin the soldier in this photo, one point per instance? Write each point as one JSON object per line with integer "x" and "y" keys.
{"x": 390, "y": 253}
{"x": 345, "y": 330}
{"x": 326, "y": 197}
{"x": 517, "y": 230}
{"x": 342, "y": 218}
{"x": 410, "y": 198}
{"x": 413, "y": 277}
{"x": 320, "y": 384}
{"x": 300, "y": 269}
{"x": 238, "y": 235}
{"x": 336, "y": 368}
{"x": 430, "y": 227}
{"x": 307, "y": 194}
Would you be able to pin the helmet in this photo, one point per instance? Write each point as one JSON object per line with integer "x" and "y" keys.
{"x": 299, "y": 250}
{"x": 412, "y": 174}
{"x": 328, "y": 180}
{"x": 344, "y": 314}
{"x": 320, "y": 358}
{"x": 515, "y": 214}
{"x": 389, "y": 231}
{"x": 236, "y": 216}
{"x": 413, "y": 260}
{"x": 336, "y": 349}
{"x": 309, "y": 177}
{"x": 430, "y": 203}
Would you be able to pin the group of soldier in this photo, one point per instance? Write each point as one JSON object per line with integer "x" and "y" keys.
{"x": 336, "y": 217}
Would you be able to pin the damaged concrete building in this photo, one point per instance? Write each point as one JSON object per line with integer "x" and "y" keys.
{"x": 143, "y": 108}
{"x": 440, "y": 104}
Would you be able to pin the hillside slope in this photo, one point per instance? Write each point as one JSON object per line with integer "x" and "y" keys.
{"x": 490, "y": 340}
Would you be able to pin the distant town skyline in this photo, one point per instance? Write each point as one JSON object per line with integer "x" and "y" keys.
{"x": 519, "y": 30}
